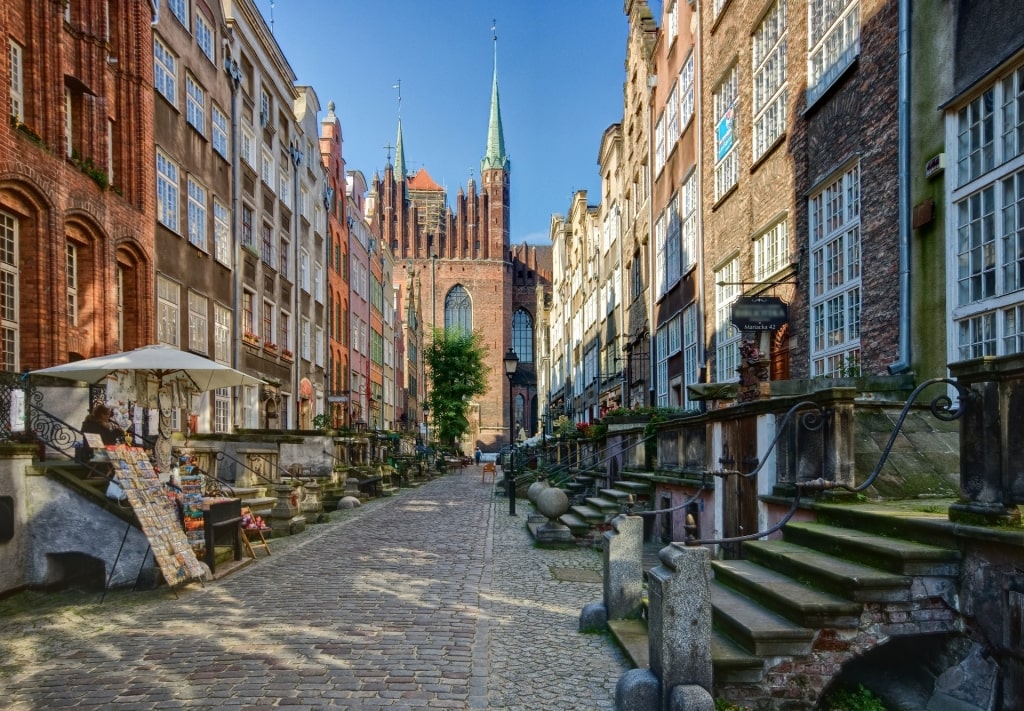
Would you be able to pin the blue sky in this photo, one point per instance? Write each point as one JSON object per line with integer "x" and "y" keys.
{"x": 560, "y": 76}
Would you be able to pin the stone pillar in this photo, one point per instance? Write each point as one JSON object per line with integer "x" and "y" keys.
{"x": 679, "y": 614}
{"x": 286, "y": 508}
{"x": 312, "y": 505}
{"x": 623, "y": 567}
{"x": 991, "y": 446}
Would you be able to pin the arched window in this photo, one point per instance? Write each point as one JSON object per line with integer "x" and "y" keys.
{"x": 522, "y": 335}
{"x": 458, "y": 310}
{"x": 520, "y": 416}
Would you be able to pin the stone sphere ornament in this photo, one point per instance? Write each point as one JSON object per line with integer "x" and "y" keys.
{"x": 552, "y": 502}
{"x": 535, "y": 489}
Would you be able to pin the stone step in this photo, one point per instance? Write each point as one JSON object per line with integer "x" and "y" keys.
{"x": 836, "y": 575}
{"x": 756, "y": 629}
{"x": 577, "y": 525}
{"x": 618, "y": 495}
{"x": 797, "y": 602}
{"x": 894, "y": 555}
{"x": 591, "y": 515}
{"x": 634, "y": 487}
{"x": 730, "y": 661}
{"x": 607, "y": 506}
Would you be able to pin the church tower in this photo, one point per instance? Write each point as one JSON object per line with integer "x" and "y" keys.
{"x": 494, "y": 174}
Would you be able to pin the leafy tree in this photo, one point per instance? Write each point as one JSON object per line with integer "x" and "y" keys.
{"x": 455, "y": 364}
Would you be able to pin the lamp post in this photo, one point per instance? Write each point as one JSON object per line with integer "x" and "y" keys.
{"x": 511, "y": 361}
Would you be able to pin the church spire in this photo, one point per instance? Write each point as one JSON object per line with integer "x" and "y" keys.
{"x": 399, "y": 143}
{"x": 495, "y": 156}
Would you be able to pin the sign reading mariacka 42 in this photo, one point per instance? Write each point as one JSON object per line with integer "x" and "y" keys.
{"x": 759, "y": 313}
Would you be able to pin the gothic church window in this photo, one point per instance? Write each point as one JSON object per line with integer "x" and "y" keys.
{"x": 522, "y": 335}
{"x": 458, "y": 310}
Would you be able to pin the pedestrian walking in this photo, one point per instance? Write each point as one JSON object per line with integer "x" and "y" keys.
{"x": 476, "y": 456}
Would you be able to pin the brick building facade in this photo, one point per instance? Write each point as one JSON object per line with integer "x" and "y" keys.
{"x": 76, "y": 181}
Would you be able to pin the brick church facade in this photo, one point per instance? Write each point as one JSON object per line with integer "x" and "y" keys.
{"x": 464, "y": 270}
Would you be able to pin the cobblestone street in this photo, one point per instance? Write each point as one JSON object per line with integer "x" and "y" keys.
{"x": 435, "y": 598}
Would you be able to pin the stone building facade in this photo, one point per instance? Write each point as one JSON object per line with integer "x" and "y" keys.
{"x": 76, "y": 181}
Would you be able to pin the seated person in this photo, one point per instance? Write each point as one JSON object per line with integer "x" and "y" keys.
{"x": 98, "y": 422}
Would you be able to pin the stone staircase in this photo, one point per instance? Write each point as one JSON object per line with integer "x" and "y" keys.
{"x": 601, "y": 505}
{"x": 811, "y": 601}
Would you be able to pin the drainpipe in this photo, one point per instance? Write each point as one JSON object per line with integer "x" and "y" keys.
{"x": 698, "y": 91}
{"x": 902, "y": 365}
{"x": 235, "y": 74}
{"x": 296, "y": 159}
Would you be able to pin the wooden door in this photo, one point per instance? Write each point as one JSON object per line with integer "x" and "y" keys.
{"x": 739, "y": 499}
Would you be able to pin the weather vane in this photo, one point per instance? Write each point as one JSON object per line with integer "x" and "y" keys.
{"x": 398, "y": 85}
{"x": 494, "y": 29}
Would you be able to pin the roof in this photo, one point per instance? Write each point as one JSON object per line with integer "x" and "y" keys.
{"x": 423, "y": 181}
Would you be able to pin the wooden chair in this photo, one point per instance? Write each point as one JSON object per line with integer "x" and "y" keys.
{"x": 253, "y": 538}
{"x": 488, "y": 470}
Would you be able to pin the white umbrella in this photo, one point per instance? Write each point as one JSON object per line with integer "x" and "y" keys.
{"x": 166, "y": 364}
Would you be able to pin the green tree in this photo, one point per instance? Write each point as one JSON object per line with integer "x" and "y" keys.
{"x": 455, "y": 364}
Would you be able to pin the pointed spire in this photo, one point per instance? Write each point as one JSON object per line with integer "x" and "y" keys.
{"x": 399, "y": 155}
{"x": 495, "y": 157}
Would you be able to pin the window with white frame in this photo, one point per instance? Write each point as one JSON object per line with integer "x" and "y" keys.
{"x": 660, "y": 255}
{"x": 195, "y": 104}
{"x": 833, "y": 42}
{"x": 267, "y": 317}
{"x": 71, "y": 282}
{"x": 305, "y": 335}
{"x": 688, "y": 220}
{"x": 204, "y": 35}
{"x": 196, "y": 214}
{"x": 686, "y": 92}
{"x": 675, "y": 335}
{"x": 769, "y": 62}
{"x": 17, "y": 62}
{"x": 771, "y": 251}
{"x": 284, "y": 190}
{"x": 318, "y": 282}
{"x": 168, "y": 302}
{"x": 661, "y": 366}
{"x": 221, "y": 333}
{"x": 727, "y": 336}
{"x": 249, "y": 313}
{"x": 179, "y": 8}
{"x": 166, "y": 191}
{"x": 691, "y": 362}
{"x": 221, "y": 233}
{"x": 659, "y": 144}
{"x": 284, "y": 330}
{"x": 304, "y": 202}
{"x": 165, "y": 71}
{"x": 286, "y": 249}
{"x": 727, "y": 164}
{"x": 219, "y": 120}
{"x": 248, "y": 146}
{"x": 304, "y": 270}
{"x": 318, "y": 350}
{"x": 672, "y": 127}
{"x": 265, "y": 108}
{"x": 987, "y": 253}
{"x": 834, "y": 235}
{"x": 9, "y": 292}
{"x": 222, "y": 410}
{"x": 198, "y": 323}
{"x": 673, "y": 262}
{"x": 673, "y": 21}
{"x": 267, "y": 168}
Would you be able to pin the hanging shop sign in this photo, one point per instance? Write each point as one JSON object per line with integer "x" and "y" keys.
{"x": 759, "y": 313}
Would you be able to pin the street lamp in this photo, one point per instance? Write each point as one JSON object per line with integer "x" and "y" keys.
{"x": 511, "y": 361}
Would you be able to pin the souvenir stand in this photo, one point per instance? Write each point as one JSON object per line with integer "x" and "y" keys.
{"x": 157, "y": 515}
{"x": 209, "y": 520}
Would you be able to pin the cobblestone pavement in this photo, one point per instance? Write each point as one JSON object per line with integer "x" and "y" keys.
{"x": 434, "y": 598}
